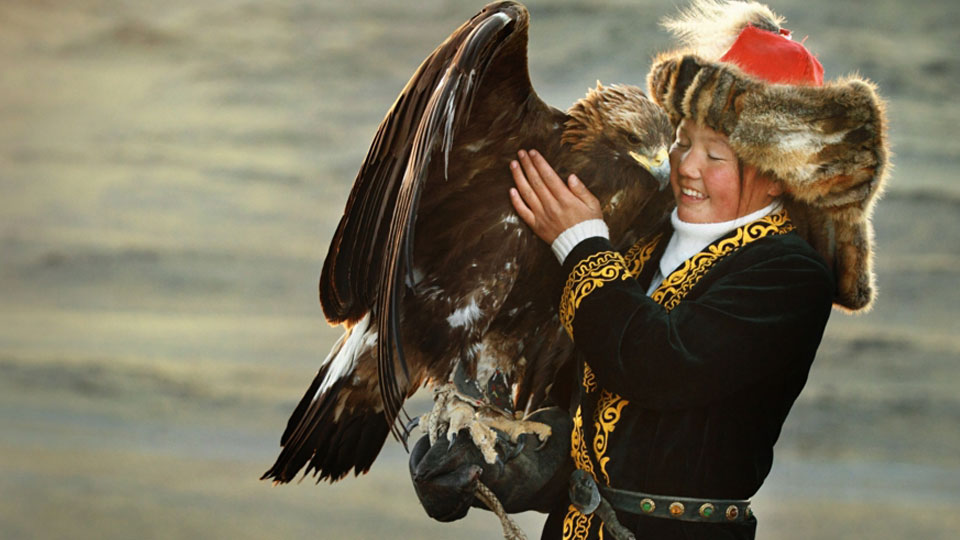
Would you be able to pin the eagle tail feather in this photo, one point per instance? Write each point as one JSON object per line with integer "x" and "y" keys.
{"x": 327, "y": 445}
{"x": 331, "y": 431}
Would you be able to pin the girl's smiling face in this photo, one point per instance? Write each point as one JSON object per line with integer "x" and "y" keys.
{"x": 705, "y": 177}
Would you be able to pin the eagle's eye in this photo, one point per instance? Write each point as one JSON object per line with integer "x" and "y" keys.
{"x": 633, "y": 138}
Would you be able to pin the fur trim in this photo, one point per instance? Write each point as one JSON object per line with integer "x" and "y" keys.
{"x": 709, "y": 27}
{"x": 827, "y": 145}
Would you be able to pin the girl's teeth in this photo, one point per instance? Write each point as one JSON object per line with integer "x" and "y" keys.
{"x": 692, "y": 193}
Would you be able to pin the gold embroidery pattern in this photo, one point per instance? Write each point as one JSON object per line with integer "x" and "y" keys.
{"x": 609, "y": 408}
{"x": 578, "y": 446}
{"x": 576, "y": 526}
{"x": 589, "y": 275}
{"x": 639, "y": 254}
{"x": 679, "y": 283}
{"x": 589, "y": 379}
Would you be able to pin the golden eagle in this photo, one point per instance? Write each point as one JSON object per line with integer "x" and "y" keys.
{"x": 431, "y": 272}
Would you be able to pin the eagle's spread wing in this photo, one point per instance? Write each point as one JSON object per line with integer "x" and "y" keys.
{"x": 373, "y": 243}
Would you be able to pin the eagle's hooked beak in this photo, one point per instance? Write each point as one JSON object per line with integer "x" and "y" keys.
{"x": 659, "y": 165}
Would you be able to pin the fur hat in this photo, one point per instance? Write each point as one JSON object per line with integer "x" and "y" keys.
{"x": 825, "y": 141}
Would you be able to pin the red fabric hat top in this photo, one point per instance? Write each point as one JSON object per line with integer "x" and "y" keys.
{"x": 774, "y": 58}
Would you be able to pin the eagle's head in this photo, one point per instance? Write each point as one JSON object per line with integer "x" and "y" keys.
{"x": 619, "y": 140}
{"x": 618, "y": 123}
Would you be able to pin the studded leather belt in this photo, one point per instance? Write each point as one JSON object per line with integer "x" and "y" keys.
{"x": 588, "y": 497}
{"x": 682, "y": 508}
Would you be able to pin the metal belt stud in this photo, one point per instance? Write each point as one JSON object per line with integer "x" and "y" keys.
{"x": 706, "y": 510}
{"x": 647, "y": 505}
{"x": 676, "y": 509}
{"x": 732, "y": 512}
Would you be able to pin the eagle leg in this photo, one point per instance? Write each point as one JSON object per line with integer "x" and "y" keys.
{"x": 451, "y": 412}
{"x": 514, "y": 428}
{"x": 488, "y": 427}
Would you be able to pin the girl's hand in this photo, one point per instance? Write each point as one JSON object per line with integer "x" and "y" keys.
{"x": 547, "y": 204}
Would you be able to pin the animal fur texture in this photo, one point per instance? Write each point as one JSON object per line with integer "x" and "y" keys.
{"x": 827, "y": 144}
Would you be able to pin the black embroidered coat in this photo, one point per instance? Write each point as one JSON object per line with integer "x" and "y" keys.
{"x": 684, "y": 393}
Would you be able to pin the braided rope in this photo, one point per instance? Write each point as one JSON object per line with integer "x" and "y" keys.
{"x": 511, "y": 531}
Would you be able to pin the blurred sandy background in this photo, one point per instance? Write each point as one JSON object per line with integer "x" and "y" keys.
{"x": 171, "y": 172}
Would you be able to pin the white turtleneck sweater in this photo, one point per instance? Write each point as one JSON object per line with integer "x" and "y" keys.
{"x": 687, "y": 240}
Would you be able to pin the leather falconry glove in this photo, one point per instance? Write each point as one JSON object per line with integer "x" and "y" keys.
{"x": 526, "y": 477}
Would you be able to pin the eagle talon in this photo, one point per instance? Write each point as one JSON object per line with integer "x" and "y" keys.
{"x": 408, "y": 429}
{"x": 517, "y": 448}
{"x": 451, "y": 438}
{"x": 508, "y": 448}
{"x": 543, "y": 442}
